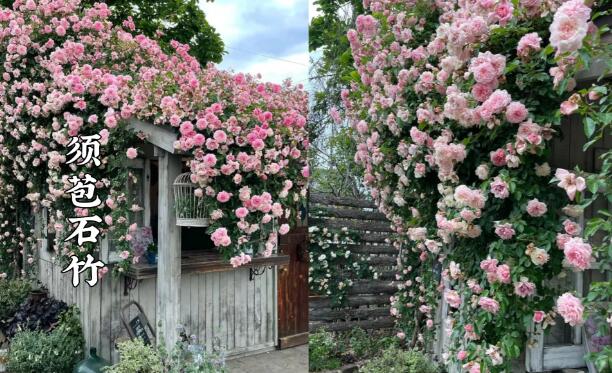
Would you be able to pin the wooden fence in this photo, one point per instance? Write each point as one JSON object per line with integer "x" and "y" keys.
{"x": 368, "y": 300}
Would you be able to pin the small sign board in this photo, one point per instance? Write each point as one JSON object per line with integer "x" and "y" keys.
{"x": 137, "y": 327}
{"x": 139, "y": 331}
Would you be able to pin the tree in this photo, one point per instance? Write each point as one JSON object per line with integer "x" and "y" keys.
{"x": 334, "y": 170}
{"x": 180, "y": 20}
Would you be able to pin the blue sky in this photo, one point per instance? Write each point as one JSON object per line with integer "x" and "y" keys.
{"x": 263, "y": 36}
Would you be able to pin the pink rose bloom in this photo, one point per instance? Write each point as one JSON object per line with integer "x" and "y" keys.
{"x": 516, "y": 112}
{"x": 498, "y": 157}
{"x": 529, "y": 43}
{"x": 570, "y": 308}
{"x": 570, "y": 182}
{"x": 131, "y": 153}
{"x": 562, "y": 240}
{"x": 568, "y": 107}
{"x": 489, "y": 265}
{"x": 124, "y": 255}
{"x": 538, "y": 316}
{"x": 220, "y": 237}
{"x": 536, "y": 208}
{"x": 489, "y": 304}
{"x": 306, "y": 171}
{"x": 504, "y": 231}
{"x": 461, "y": 355}
{"x": 283, "y": 229}
{"x": 569, "y": 26}
{"x": 572, "y": 228}
{"x": 578, "y": 253}
{"x": 419, "y": 170}
{"x": 241, "y": 212}
{"x": 481, "y": 92}
{"x": 198, "y": 192}
{"x": 401, "y": 335}
{"x": 453, "y": 298}
{"x": 499, "y": 188}
{"x": 524, "y": 287}
{"x": 503, "y": 274}
{"x": 223, "y": 196}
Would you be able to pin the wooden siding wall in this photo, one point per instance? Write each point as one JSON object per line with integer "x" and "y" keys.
{"x": 224, "y": 308}
{"x": 368, "y": 301}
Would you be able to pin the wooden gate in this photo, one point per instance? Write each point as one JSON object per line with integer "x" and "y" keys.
{"x": 368, "y": 303}
{"x": 293, "y": 289}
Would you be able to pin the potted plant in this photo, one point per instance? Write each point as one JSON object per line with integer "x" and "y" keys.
{"x": 143, "y": 245}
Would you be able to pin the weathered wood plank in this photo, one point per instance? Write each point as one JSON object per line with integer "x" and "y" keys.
{"x": 156, "y": 135}
{"x": 315, "y": 302}
{"x": 372, "y": 287}
{"x": 361, "y": 225}
{"x": 348, "y": 314}
{"x": 381, "y": 323}
{"x": 327, "y": 199}
{"x": 349, "y": 213}
{"x": 169, "y": 243}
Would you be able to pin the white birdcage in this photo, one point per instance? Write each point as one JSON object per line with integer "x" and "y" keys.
{"x": 190, "y": 210}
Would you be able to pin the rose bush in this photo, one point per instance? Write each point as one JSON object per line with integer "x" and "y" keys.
{"x": 467, "y": 96}
{"x": 68, "y": 71}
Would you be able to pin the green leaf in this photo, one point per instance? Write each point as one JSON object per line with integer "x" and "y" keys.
{"x": 589, "y": 126}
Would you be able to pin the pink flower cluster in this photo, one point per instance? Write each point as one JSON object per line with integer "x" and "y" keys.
{"x": 570, "y": 26}
{"x": 570, "y": 308}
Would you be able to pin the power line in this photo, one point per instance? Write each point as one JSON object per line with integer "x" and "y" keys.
{"x": 266, "y": 56}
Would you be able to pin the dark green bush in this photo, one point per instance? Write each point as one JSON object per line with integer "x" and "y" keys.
{"x": 12, "y": 294}
{"x": 395, "y": 360}
{"x": 56, "y": 351}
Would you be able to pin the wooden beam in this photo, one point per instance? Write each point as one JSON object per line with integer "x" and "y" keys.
{"x": 169, "y": 252}
{"x": 157, "y": 135}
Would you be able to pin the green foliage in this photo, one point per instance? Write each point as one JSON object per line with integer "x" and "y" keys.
{"x": 363, "y": 345}
{"x": 180, "y": 20}
{"x": 136, "y": 357}
{"x": 12, "y": 294}
{"x": 322, "y": 351}
{"x": 56, "y": 351}
{"x": 399, "y": 361}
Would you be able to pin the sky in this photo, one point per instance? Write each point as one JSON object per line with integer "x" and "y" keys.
{"x": 263, "y": 36}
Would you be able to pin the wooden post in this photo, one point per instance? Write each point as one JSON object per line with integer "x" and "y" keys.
{"x": 169, "y": 251}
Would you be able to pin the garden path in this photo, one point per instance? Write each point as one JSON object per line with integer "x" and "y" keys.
{"x": 294, "y": 360}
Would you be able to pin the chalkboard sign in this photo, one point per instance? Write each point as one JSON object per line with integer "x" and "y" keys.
{"x": 139, "y": 331}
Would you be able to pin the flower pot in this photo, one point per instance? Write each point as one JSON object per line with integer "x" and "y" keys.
{"x": 151, "y": 257}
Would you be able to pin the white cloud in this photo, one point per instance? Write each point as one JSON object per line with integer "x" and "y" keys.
{"x": 260, "y": 47}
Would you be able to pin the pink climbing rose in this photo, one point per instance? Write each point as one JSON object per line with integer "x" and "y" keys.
{"x": 570, "y": 308}
{"x": 131, "y": 153}
{"x": 536, "y": 208}
{"x": 489, "y": 304}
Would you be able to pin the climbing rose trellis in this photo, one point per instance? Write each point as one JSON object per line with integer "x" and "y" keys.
{"x": 67, "y": 71}
{"x": 466, "y": 96}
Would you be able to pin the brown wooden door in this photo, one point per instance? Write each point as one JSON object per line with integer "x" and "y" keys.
{"x": 293, "y": 290}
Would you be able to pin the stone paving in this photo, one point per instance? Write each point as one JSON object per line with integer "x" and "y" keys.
{"x": 291, "y": 360}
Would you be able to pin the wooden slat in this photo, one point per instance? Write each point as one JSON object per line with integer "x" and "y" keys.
{"x": 360, "y": 225}
{"x": 205, "y": 263}
{"x": 156, "y": 135}
{"x": 372, "y": 287}
{"x": 348, "y": 213}
{"x": 326, "y": 199}
{"x": 348, "y": 314}
{"x": 351, "y": 301}
{"x": 381, "y": 323}
{"x": 372, "y": 249}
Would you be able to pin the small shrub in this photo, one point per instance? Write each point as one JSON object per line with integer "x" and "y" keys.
{"x": 322, "y": 351}
{"x": 56, "y": 351}
{"x": 396, "y": 360}
{"x": 12, "y": 294}
{"x": 36, "y": 313}
{"x": 136, "y": 357}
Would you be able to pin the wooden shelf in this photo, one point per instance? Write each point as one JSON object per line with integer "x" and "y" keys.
{"x": 202, "y": 262}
